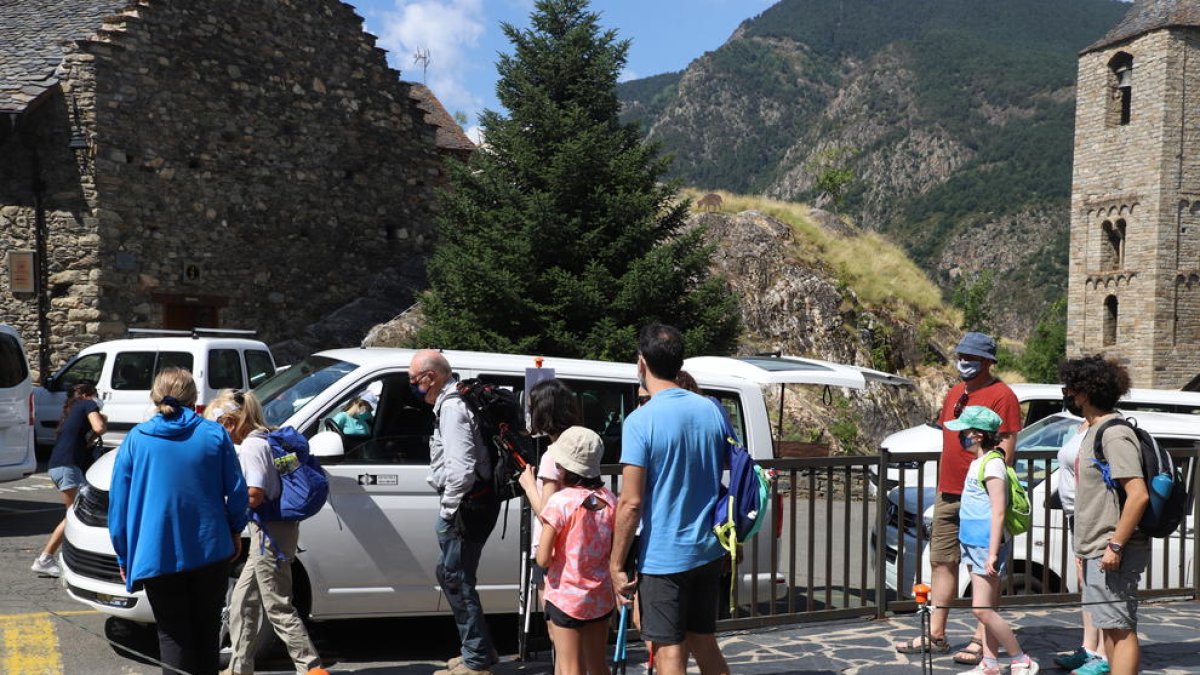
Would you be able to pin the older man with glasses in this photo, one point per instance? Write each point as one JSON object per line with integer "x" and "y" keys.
{"x": 461, "y": 473}
{"x": 975, "y": 356}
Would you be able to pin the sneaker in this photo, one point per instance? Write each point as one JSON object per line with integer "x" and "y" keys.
{"x": 981, "y": 669}
{"x": 1029, "y": 667}
{"x": 1073, "y": 660}
{"x": 46, "y": 566}
{"x": 1096, "y": 666}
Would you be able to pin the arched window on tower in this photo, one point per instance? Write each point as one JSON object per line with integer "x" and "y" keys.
{"x": 1120, "y": 79}
{"x": 1110, "y": 321}
{"x": 1112, "y": 247}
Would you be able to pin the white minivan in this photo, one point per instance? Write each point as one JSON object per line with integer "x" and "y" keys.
{"x": 124, "y": 370}
{"x": 372, "y": 551}
{"x": 17, "y": 459}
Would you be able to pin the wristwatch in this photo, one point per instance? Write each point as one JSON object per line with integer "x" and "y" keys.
{"x": 1115, "y": 547}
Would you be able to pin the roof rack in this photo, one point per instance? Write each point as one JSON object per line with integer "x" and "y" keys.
{"x": 193, "y": 333}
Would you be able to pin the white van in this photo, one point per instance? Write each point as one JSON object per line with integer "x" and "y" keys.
{"x": 372, "y": 551}
{"x": 124, "y": 370}
{"x": 17, "y": 459}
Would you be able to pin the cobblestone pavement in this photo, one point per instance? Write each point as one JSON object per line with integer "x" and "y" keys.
{"x": 1170, "y": 633}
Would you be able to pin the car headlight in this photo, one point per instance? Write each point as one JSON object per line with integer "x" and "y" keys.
{"x": 91, "y": 506}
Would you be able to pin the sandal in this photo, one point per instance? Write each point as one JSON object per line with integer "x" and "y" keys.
{"x": 918, "y": 645}
{"x": 971, "y": 655}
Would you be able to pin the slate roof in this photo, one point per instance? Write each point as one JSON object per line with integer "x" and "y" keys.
{"x": 1151, "y": 15}
{"x": 450, "y": 136}
{"x": 32, "y": 37}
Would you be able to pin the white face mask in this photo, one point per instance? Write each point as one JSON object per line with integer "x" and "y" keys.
{"x": 968, "y": 370}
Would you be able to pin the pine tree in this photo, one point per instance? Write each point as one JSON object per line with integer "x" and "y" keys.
{"x": 559, "y": 237}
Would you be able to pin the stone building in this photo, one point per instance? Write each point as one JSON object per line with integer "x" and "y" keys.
{"x": 1134, "y": 286}
{"x": 231, "y": 163}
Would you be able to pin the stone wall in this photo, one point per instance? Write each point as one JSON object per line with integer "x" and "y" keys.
{"x": 263, "y": 144}
{"x": 1133, "y": 178}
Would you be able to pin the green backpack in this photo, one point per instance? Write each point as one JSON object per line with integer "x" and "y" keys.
{"x": 1018, "y": 515}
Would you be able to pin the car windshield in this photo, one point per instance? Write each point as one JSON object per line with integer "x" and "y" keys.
{"x": 287, "y": 391}
{"x": 1048, "y": 433}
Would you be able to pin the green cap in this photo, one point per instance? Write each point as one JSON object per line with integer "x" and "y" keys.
{"x": 976, "y": 417}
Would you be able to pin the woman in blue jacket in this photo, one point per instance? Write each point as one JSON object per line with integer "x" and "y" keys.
{"x": 176, "y": 510}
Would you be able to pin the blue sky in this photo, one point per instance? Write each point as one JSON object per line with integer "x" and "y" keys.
{"x": 463, "y": 37}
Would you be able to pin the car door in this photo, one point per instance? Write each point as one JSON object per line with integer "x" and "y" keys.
{"x": 48, "y": 401}
{"x": 125, "y": 387}
{"x": 373, "y": 549}
{"x": 15, "y": 389}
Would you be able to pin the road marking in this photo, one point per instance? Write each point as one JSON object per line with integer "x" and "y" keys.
{"x": 30, "y": 645}
{"x": 46, "y": 615}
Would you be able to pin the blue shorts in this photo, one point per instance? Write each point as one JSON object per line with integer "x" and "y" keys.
{"x": 67, "y": 477}
{"x": 976, "y": 557}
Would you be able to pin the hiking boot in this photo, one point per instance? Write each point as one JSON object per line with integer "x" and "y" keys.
{"x": 461, "y": 668}
{"x": 46, "y": 566}
{"x": 493, "y": 659}
{"x": 1096, "y": 666}
{"x": 1073, "y": 660}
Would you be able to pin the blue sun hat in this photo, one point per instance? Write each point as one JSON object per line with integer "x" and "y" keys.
{"x": 976, "y": 417}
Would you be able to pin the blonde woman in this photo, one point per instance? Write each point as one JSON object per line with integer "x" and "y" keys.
{"x": 175, "y": 515}
{"x": 266, "y": 579}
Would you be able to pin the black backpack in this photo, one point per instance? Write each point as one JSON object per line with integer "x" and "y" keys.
{"x": 501, "y": 423}
{"x": 1164, "y": 481}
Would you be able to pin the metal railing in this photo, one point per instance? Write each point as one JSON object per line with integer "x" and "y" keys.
{"x": 837, "y": 547}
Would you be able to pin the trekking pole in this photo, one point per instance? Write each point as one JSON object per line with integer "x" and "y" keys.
{"x": 921, "y": 595}
{"x": 619, "y": 659}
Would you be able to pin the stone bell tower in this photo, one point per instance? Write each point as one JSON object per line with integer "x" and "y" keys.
{"x": 1134, "y": 284}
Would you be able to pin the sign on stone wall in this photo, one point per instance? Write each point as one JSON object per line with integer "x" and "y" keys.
{"x": 191, "y": 272}
{"x": 22, "y": 272}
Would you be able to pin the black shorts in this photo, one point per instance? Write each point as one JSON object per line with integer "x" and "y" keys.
{"x": 684, "y": 602}
{"x": 563, "y": 620}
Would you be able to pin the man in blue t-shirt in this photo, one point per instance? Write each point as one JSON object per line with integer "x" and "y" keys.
{"x": 672, "y": 449}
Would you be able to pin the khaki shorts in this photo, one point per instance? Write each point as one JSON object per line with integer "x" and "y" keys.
{"x": 943, "y": 540}
{"x": 1111, "y": 597}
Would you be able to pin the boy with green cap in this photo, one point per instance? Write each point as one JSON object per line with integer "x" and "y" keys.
{"x": 985, "y": 544}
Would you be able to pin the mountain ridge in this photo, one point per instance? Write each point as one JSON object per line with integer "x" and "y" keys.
{"x": 956, "y": 116}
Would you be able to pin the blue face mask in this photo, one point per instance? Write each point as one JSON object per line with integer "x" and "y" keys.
{"x": 416, "y": 391}
{"x": 969, "y": 370}
{"x": 966, "y": 441}
{"x": 363, "y": 417}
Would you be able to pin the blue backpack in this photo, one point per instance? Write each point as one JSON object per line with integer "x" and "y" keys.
{"x": 742, "y": 506}
{"x": 305, "y": 485}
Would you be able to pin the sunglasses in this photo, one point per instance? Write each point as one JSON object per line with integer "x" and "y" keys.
{"x": 962, "y": 403}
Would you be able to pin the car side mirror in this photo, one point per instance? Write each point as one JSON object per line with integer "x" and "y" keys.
{"x": 50, "y": 384}
{"x": 326, "y": 444}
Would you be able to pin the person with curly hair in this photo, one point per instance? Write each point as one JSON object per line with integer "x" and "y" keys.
{"x": 1114, "y": 553}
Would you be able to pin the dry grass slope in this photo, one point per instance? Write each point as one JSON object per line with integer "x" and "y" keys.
{"x": 877, "y": 270}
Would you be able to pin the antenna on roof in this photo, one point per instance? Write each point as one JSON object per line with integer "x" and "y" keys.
{"x": 422, "y": 57}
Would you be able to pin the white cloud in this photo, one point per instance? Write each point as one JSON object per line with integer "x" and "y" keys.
{"x": 450, "y": 30}
{"x": 627, "y": 74}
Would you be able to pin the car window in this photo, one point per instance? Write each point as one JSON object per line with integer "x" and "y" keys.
{"x": 85, "y": 368}
{"x": 13, "y": 367}
{"x": 732, "y": 404}
{"x": 259, "y": 366}
{"x": 396, "y": 432}
{"x": 133, "y": 371}
{"x": 286, "y": 392}
{"x": 224, "y": 369}
{"x": 1047, "y": 434}
{"x": 174, "y": 360}
{"x": 604, "y": 406}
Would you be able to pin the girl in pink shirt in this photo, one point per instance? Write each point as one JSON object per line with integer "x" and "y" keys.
{"x": 577, "y": 532}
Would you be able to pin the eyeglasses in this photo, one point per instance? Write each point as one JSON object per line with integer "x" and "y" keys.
{"x": 643, "y": 400}
{"x": 962, "y": 402}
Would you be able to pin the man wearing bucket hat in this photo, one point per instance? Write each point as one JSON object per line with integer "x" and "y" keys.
{"x": 974, "y": 357}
